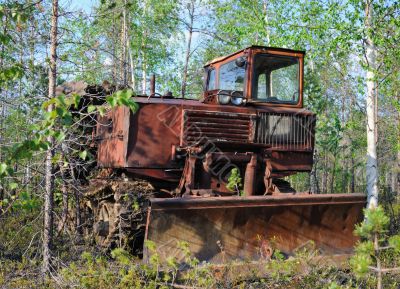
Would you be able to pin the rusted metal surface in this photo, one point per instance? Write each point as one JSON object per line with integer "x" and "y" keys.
{"x": 156, "y": 129}
{"x": 246, "y": 228}
{"x": 112, "y": 134}
{"x": 286, "y": 131}
{"x": 201, "y": 126}
{"x": 250, "y": 176}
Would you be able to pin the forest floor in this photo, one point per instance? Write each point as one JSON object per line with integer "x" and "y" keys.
{"x": 78, "y": 263}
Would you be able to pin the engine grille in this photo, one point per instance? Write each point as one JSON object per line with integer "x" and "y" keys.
{"x": 277, "y": 130}
{"x": 206, "y": 126}
{"x": 285, "y": 131}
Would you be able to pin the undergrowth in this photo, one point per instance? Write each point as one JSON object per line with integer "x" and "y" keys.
{"x": 84, "y": 266}
{"x": 121, "y": 270}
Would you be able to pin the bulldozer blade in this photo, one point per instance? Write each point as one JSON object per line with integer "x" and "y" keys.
{"x": 221, "y": 229}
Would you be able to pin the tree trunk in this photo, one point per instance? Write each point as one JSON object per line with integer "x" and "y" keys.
{"x": 132, "y": 65}
{"x": 49, "y": 176}
{"x": 397, "y": 172}
{"x": 185, "y": 68}
{"x": 144, "y": 73}
{"x": 142, "y": 52}
{"x": 332, "y": 184}
{"x": 314, "y": 188}
{"x": 372, "y": 164}
{"x": 124, "y": 46}
{"x": 378, "y": 261}
{"x": 352, "y": 171}
{"x": 114, "y": 52}
{"x": 78, "y": 218}
{"x": 352, "y": 152}
{"x": 64, "y": 191}
{"x": 265, "y": 8}
{"x": 325, "y": 174}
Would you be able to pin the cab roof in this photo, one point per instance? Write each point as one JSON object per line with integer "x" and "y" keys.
{"x": 221, "y": 58}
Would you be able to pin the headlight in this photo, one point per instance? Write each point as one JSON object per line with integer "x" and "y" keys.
{"x": 237, "y": 98}
{"x": 223, "y": 97}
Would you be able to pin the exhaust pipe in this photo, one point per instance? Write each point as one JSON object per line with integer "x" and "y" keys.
{"x": 152, "y": 85}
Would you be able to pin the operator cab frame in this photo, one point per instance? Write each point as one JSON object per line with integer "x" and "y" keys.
{"x": 256, "y": 75}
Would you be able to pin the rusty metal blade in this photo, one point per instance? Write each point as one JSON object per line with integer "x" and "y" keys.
{"x": 219, "y": 229}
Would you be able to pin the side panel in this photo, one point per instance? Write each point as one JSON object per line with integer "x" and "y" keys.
{"x": 112, "y": 136}
{"x": 154, "y": 131}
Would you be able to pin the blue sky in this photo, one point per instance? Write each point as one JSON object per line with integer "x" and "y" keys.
{"x": 85, "y": 5}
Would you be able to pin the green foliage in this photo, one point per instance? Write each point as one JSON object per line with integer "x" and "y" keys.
{"x": 376, "y": 222}
{"x": 394, "y": 242}
{"x": 235, "y": 181}
{"x": 375, "y": 250}
{"x": 19, "y": 234}
{"x": 55, "y": 124}
{"x": 127, "y": 272}
{"x": 360, "y": 264}
{"x": 123, "y": 97}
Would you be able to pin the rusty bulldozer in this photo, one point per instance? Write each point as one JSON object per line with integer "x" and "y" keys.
{"x": 250, "y": 119}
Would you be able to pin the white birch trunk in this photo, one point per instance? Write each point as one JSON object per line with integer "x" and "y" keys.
{"x": 144, "y": 73}
{"x": 265, "y": 8}
{"x": 133, "y": 80}
{"x": 372, "y": 164}
{"x": 187, "y": 58}
{"x": 124, "y": 47}
{"x": 143, "y": 47}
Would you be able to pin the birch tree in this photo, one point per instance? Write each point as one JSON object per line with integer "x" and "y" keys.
{"x": 370, "y": 57}
{"x": 191, "y": 9}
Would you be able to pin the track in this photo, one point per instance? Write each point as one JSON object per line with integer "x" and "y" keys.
{"x": 115, "y": 212}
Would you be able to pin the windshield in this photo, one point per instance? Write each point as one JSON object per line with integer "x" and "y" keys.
{"x": 276, "y": 79}
{"x": 231, "y": 76}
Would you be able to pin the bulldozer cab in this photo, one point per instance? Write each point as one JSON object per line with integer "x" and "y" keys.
{"x": 256, "y": 75}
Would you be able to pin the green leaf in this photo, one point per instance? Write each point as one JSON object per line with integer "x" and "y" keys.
{"x": 83, "y": 154}
{"x": 76, "y": 98}
{"x": 67, "y": 119}
{"x": 112, "y": 100}
{"x": 5, "y": 202}
{"x": 3, "y": 168}
{"x": 91, "y": 108}
{"x": 59, "y": 135}
{"x": 234, "y": 181}
{"x": 60, "y": 111}
{"x": 102, "y": 110}
{"x": 56, "y": 158}
{"x": 13, "y": 186}
{"x": 129, "y": 103}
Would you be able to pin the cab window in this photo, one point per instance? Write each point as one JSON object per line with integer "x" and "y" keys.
{"x": 276, "y": 79}
{"x": 211, "y": 84}
{"x": 231, "y": 76}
